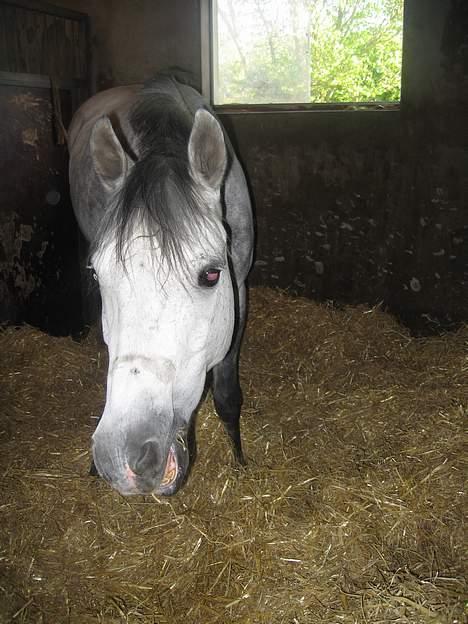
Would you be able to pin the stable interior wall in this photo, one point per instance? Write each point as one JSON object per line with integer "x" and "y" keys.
{"x": 131, "y": 40}
{"x": 39, "y": 246}
{"x": 371, "y": 206}
{"x": 351, "y": 206}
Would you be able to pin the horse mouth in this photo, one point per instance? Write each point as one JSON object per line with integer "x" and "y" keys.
{"x": 177, "y": 463}
{"x": 172, "y": 469}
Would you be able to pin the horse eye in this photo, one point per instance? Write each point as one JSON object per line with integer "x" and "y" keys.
{"x": 209, "y": 277}
{"x": 93, "y": 272}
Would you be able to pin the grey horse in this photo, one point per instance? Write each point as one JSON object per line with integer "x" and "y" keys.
{"x": 163, "y": 202}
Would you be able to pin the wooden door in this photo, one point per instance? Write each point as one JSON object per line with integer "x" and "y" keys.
{"x": 43, "y": 70}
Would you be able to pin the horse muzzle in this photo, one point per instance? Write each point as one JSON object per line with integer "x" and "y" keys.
{"x": 146, "y": 468}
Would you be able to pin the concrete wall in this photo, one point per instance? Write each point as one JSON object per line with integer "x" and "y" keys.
{"x": 351, "y": 206}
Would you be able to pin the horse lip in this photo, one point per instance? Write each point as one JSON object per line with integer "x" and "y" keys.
{"x": 176, "y": 466}
{"x": 172, "y": 468}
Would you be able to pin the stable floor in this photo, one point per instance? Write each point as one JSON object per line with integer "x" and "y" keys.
{"x": 350, "y": 508}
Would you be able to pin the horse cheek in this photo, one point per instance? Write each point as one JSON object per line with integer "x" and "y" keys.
{"x": 221, "y": 328}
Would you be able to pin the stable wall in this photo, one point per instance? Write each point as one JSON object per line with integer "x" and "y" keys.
{"x": 353, "y": 206}
{"x": 133, "y": 39}
{"x": 372, "y": 206}
{"x": 39, "y": 270}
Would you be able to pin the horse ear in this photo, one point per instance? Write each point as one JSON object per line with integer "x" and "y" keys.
{"x": 207, "y": 150}
{"x": 109, "y": 158}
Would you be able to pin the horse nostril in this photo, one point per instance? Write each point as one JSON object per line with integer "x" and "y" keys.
{"x": 146, "y": 459}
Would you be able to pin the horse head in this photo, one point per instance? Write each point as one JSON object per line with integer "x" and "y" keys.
{"x": 161, "y": 260}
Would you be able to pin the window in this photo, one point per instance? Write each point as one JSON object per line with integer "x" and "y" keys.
{"x": 306, "y": 51}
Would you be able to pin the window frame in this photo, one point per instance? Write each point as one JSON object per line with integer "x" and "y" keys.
{"x": 207, "y": 81}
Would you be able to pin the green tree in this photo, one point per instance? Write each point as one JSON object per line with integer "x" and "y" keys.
{"x": 263, "y": 50}
{"x": 309, "y": 50}
{"x": 356, "y": 50}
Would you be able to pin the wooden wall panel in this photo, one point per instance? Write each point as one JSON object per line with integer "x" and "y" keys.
{"x": 35, "y": 42}
{"x": 41, "y": 47}
{"x": 39, "y": 268}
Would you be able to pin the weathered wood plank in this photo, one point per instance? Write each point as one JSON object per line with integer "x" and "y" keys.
{"x": 35, "y": 41}
{"x": 10, "y": 30}
{"x": 3, "y": 40}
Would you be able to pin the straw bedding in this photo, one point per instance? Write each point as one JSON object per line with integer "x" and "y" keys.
{"x": 350, "y": 509}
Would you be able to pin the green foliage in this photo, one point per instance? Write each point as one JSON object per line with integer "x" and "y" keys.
{"x": 356, "y": 52}
{"x": 354, "y": 48}
{"x": 266, "y": 79}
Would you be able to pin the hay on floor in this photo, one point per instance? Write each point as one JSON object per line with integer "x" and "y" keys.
{"x": 350, "y": 509}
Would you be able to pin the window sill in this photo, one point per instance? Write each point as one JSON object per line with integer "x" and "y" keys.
{"x": 309, "y": 108}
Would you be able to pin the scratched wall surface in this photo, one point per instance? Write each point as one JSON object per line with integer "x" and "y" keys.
{"x": 39, "y": 271}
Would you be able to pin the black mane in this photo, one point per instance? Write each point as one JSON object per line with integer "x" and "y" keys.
{"x": 159, "y": 193}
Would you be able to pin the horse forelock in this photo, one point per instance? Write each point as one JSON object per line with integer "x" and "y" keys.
{"x": 159, "y": 196}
